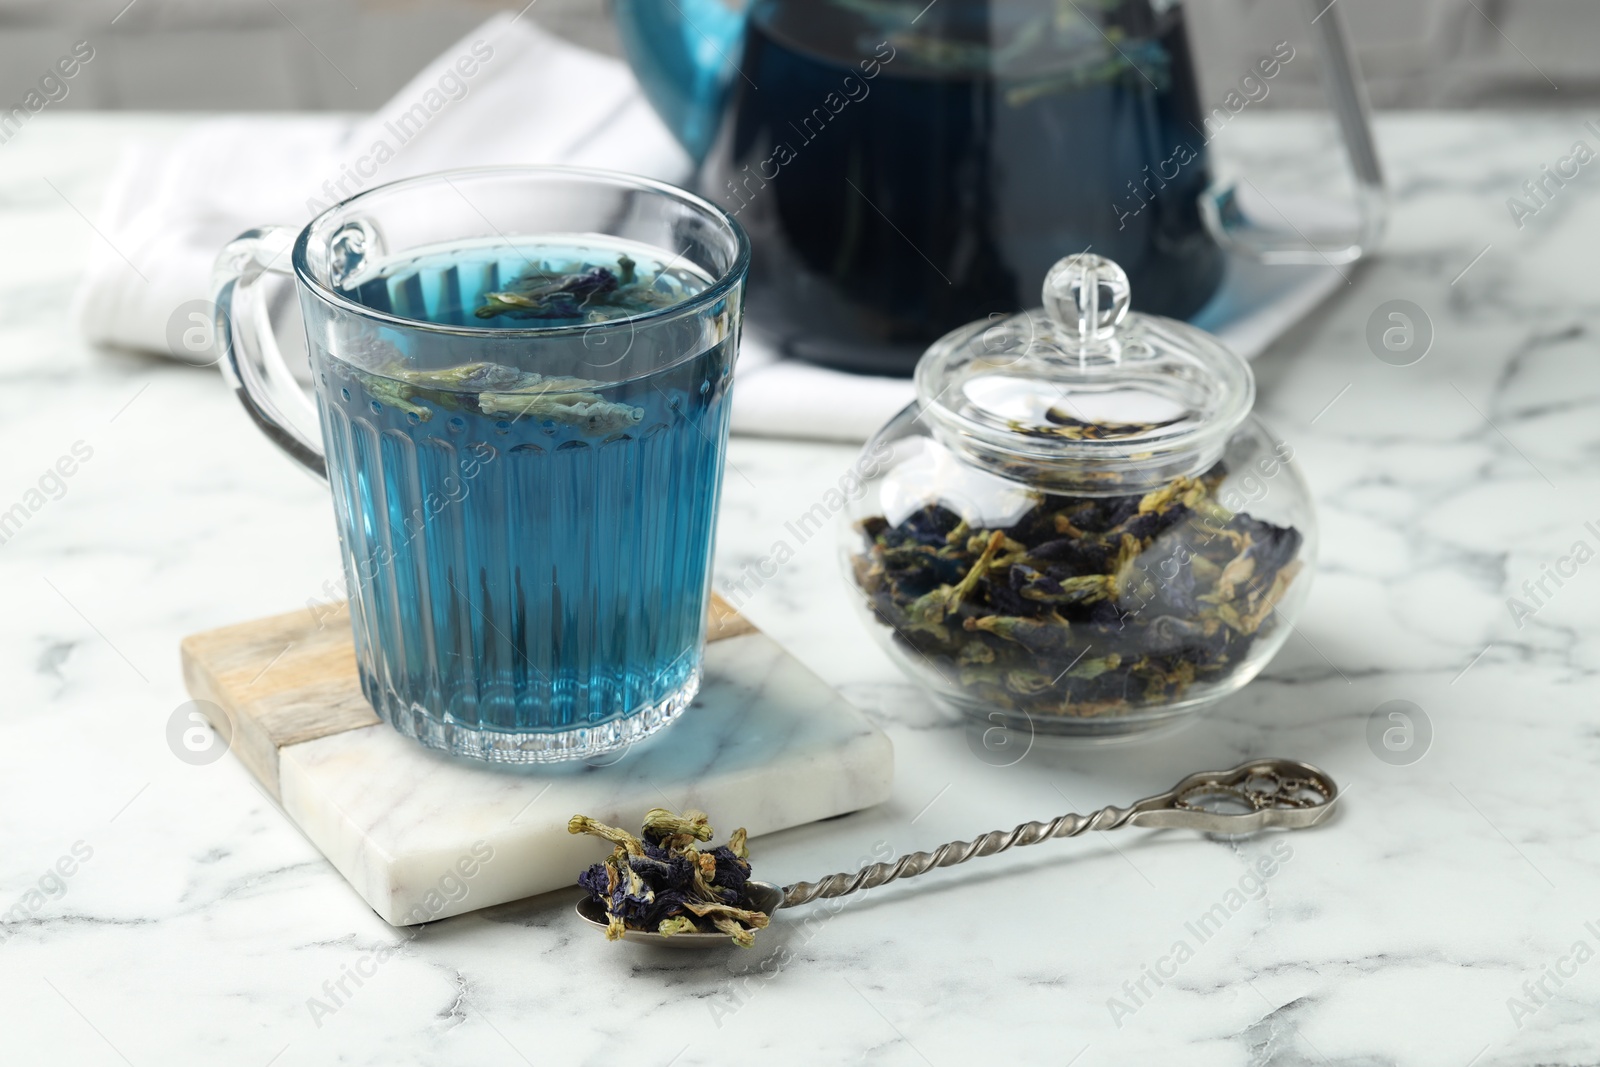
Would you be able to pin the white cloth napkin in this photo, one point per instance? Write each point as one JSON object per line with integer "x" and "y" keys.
{"x": 531, "y": 98}
{"x": 507, "y": 93}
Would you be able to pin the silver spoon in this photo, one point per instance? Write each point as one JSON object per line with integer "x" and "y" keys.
{"x": 1252, "y": 796}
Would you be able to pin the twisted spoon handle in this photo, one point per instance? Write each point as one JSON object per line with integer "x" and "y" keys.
{"x": 1251, "y": 796}
{"x": 948, "y": 855}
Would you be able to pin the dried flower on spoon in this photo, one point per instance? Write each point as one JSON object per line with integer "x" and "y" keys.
{"x": 661, "y": 882}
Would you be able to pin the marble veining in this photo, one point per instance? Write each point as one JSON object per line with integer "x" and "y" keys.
{"x": 1435, "y": 921}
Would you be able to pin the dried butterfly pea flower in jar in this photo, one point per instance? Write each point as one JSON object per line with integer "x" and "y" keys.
{"x": 1081, "y": 528}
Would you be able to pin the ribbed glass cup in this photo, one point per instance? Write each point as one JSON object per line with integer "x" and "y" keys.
{"x": 528, "y": 569}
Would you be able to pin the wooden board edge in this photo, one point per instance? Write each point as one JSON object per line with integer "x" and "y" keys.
{"x": 723, "y": 620}
{"x": 246, "y": 738}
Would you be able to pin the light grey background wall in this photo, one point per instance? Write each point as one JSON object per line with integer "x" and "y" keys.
{"x": 353, "y": 54}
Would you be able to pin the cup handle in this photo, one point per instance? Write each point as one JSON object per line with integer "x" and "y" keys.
{"x": 251, "y": 359}
{"x": 1232, "y": 225}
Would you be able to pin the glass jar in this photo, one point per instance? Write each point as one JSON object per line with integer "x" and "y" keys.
{"x": 1079, "y": 527}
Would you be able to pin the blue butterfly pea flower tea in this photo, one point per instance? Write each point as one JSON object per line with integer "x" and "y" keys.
{"x": 522, "y": 378}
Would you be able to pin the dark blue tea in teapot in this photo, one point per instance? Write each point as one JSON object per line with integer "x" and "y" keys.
{"x": 905, "y": 167}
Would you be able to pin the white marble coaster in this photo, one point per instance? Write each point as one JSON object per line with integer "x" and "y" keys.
{"x": 422, "y": 836}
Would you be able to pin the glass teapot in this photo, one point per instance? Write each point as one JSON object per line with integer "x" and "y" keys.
{"x": 904, "y": 167}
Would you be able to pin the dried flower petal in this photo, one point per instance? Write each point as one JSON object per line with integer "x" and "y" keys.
{"x": 660, "y": 823}
{"x": 582, "y": 824}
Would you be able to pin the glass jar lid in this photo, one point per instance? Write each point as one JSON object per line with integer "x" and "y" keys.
{"x": 1083, "y": 394}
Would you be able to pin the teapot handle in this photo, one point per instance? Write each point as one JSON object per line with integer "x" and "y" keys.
{"x": 1227, "y": 218}
{"x": 685, "y": 55}
{"x": 251, "y": 359}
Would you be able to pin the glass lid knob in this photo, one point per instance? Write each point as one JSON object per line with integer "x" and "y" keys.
{"x": 1086, "y": 297}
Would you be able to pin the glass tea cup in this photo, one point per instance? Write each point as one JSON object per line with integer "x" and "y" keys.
{"x": 522, "y": 380}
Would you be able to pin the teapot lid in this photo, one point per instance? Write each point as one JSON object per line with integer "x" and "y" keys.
{"x": 1082, "y": 393}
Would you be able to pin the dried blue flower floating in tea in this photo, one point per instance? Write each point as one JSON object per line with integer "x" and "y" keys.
{"x": 490, "y": 389}
{"x": 662, "y": 882}
{"x": 1085, "y": 606}
{"x": 555, "y": 291}
{"x": 581, "y": 293}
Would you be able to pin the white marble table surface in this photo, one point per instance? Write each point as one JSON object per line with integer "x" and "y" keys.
{"x": 196, "y": 925}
